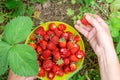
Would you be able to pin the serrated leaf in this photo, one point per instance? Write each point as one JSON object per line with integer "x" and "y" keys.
{"x": 30, "y": 11}
{"x": 118, "y": 47}
{"x": 115, "y": 32}
{"x": 22, "y": 60}
{"x": 115, "y": 6}
{"x": 17, "y": 29}
{"x": 109, "y": 1}
{"x": 70, "y": 12}
{"x": 4, "y": 48}
{"x": 12, "y": 4}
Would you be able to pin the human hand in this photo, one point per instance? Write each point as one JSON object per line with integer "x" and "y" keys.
{"x": 12, "y": 76}
{"x": 97, "y": 33}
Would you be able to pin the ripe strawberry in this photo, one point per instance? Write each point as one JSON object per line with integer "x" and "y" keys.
{"x": 73, "y": 66}
{"x": 57, "y": 32}
{"x": 54, "y": 39}
{"x": 32, "y": 37}
{"x": 84, "y": 21}
{"x": 41, "y": 72}
{"x": 62, "y": 43}
{"x": 76, "y": 38}
{"x": 66, "y": 61}
{"x": 51, "y": 75}
{"x": 61, "y": 27}
{"x": 47, "y": 65}
{"x": 39, "y": 49}
{"x": 66, "y": 69}
{"x": 69, "y": 34}
{"x": 74, "y": 49}
{"x": 55, "y": 69}
{"x": 64, "y": 52}
{"x": 60, "y": 72}
{"x": 56, "y": 55}
{"x": 73, "y": 58}
{"x": 33, "y": 45}
{"x": 70, "y": 45}
{"x": 60, "y": 62}
{"x": 46, "y": 37}
{"x": 51, "y": 46}
{"x": 40, "y": 31}
{"x": 80, "y": 54}
{"x": 39, "y": 62}
{"x": 50, "y": 33}
{"x": 43, "y": 44}
{"x": 52, "y": 26}
{"x": 46, "y": 54}
{"x": 65, "y": 35}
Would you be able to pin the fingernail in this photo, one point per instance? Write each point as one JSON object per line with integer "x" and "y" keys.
{"x": 88, "y": 17}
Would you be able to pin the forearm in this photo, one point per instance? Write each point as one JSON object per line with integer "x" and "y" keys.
{"x": 109, "y": 65}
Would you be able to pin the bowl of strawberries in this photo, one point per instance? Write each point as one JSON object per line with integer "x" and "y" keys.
{"x": 59, "y": 49}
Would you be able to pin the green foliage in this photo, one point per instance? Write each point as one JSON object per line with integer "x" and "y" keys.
{"x": 39, "y": 1}
{"x": 70, "y": 12}
{"x": 20, "y": 58}
{"x": 115, "y": 6}
{"x": 20, "y": 27}
{"x": 118, "y": 47}
{"x": 77, "y": 77}
{"x": 109, "y": 1}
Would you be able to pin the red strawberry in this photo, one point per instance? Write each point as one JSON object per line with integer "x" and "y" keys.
{"x": 66, "y": 61}
{"x": 70, "y": 45}
{"x": 41, "y": 72}
{"x": 47, "y": 65}
{"x": 54, "y": 39}
{"x": 32, "y": 37}
{"x": 62, "y": 43}
{"x": 80, "y": 54}
{"x": 50, "y": 33}
{"x": 43, "y": 44}
{"x": 55, "y": 69}
{"x": 33, "y": 45}
{"x": 46, "y": 54}
{"x": 60, "y": 62}
{"x": 51, "y": 46}
{"x": 64, "y": 52}
{"x": 39, "y": 49}
{"x": 57, "y": 32}
{"x": 40, "y": 31}
{"x": 76, "y": 38}
{"x": 61, "y": 27}
{"x": 52, "y": 26}
{"x": 51, "y": 75}
{"x": 65, "y": 35}
{"x": 74, "y": 49}
{"x": 69, "y": 34}
{"x": 46, "y": 37}
{"x": 56, "y": 55}
{"x": 84, "y": 21}
{"x": 73, "y": 66}
{"x": 60, "y": 73}
{"x": 39, "y": 62}
{"x": 66, "y": 69}
{"x": 73, "y": 58}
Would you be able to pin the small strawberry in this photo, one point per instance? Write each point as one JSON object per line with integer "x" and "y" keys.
{"x": 39, "y": 63}
{"x": 84, "y": 21}
{"x": 73, "y": 66}
{"x": 61, "y": 27}
{"x": 66, "y": 69}
{"x": 60, "y": 62}
{"x": 46, "y": 54}
{"x": 55, "y": 69}
{"x": 73, "y": 58}
{"x": 60, "y": 72}
{"x": 46, "y": 37}
{"x": 56, "y": 55}
{"x": 64, "y": 52}
{"x": 70, "y": 45}
{"x": 43, "y": 44}
{"x": 65, "y": 35}
{"x": 41, "y": 72}
{"x": 52, "y": 26}
{"x": 39, "y": 49}
{"x": 80, "y": 54}
{"x": 33, "y": 45}
{"x": 51, "y": 75}
{"x": 74, "y": 49}
{"x": 40, "y": 31}
{"x": 66, "y": 61}
{"x": 51, "y": 46}
{"x": 62, "y": 42}
{"x": 50, "y": 33}
{"x": 47, "y": 65}
{"x": 57, "y": 32}
{"x": 32, "y": 37}
{"x": 54, "y": 39}
{"x": 69, "y": 34}
{"x": 76, "y": 38}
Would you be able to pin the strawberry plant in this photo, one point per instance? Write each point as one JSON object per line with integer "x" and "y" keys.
{"x": 20, "y": 58}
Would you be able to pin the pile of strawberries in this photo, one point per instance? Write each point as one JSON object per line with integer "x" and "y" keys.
{"x": 57, "y": 50}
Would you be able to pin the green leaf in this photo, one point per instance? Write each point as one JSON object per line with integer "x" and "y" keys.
{"x": 73, "y": 1}
{"x": 22, "y": 60}
{"x": 118, "y": 47}
{"x": 109, "y": 1}
{"x": 115, "y": 6}
{"x": 12, "y": 4}
{"x": 30, "y": 11}
{"x": 115, "y": 32}
{"x": 17, "y": 29}
{"x": 4, "y": 48}
{"x": 119, "y": 57}
{"x": 70, "y": 12}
